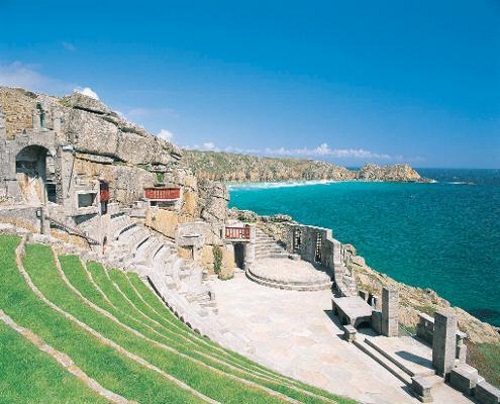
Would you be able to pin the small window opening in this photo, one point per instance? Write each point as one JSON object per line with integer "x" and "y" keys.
{"x": 86, "y": 200}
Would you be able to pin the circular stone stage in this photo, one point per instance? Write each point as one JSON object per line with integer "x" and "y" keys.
{"x": 283, "y": 273}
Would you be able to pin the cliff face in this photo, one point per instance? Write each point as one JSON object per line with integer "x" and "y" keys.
{"x": 218, "y": 166}
{"x": 106, "y": 146}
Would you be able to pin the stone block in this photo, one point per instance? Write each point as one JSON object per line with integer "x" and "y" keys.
{"x": 444, "y": 342}
{"x": 422, "y": 387}
{"x": 377, "y": 321}
{"x": 464, "y": 378}
{"x": 349, "y": 333}
{"x": 486, "y": 393}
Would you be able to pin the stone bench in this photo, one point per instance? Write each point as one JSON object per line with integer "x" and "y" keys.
{"x": 422, "y": 387}
{"x": 464, "y": 378}
{"x": 486, "y": 393}
{"x": 352, "y": 310}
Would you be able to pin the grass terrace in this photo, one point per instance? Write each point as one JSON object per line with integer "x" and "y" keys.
{"x": 119, "y": 333}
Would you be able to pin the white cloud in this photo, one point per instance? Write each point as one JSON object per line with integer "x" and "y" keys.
{"x": 165, "y": 135}
{"x": 87, "y": 91}
{"x": 27, "y": 76}
{"x": 209, "y": 146}
{"x": 321, "y": 151}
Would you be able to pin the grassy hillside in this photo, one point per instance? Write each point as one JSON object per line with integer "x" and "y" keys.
{"x": 221, "y": 166}
{"x": 117, "y": 332}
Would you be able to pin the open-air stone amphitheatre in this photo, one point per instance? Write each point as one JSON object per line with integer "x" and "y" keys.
{"x": 125, "y": 278}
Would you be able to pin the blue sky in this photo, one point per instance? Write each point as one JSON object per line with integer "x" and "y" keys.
{"x": 344, "y": 81}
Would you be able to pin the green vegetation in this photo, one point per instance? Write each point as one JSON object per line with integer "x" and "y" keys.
{"x": 160, "y": 178}
{"x": 128, "y": 313}
{"x": 42, "y": 379}
{"x": 486, "y": 359}
{"x": 217, "y": 259}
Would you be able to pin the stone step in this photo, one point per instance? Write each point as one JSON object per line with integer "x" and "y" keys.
{"x": 276, "y": 256}
{"x": 422, "y": 371}
{"x": 382, "y": 360}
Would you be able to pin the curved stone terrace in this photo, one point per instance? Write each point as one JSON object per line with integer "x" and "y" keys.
{"x": 289, "y": 274}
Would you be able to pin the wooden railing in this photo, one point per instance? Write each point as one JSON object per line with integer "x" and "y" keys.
{"x": 162, "y": 194}
{"x": 238, "y": 233}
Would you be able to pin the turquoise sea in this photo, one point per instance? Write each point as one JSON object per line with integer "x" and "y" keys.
{"x": 443, "y": 235}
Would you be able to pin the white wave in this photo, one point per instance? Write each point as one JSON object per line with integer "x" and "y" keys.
{"x": 284, "y": 184}
{"x": 460, "y": 183}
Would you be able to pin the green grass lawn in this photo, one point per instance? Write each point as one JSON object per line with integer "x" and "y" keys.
{"x": 154, "y": 334}
{"x": 112, "y": 370}
{"x": 29, "y": 375}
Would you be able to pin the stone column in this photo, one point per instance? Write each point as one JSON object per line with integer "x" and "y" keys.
{"x": 390, "y": 312}
{"x": 444, "y": 342}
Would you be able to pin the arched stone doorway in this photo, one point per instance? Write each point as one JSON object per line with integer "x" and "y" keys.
{"x": 35, "y": 174}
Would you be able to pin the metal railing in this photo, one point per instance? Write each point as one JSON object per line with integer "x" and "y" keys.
{"x": 72, "y": 230}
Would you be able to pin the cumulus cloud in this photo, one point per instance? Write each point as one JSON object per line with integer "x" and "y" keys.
{"x": 209, "y": 146}
{"x": 87, "y": 91}
{"x": 165, "y": 135}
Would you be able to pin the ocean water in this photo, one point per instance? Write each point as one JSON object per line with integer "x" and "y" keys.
{"x": 444, "y": 235}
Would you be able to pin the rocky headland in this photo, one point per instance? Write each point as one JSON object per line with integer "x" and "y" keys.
{"x": 221, "y": 166}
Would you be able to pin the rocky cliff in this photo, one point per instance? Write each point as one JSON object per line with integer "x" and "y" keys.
{"x": 219, "y": 166}
{"x": 105, "y": 145}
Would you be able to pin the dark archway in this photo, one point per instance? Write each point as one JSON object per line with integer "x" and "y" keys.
{"x": 239, "y": 255}
{"x": 35, "y": 173}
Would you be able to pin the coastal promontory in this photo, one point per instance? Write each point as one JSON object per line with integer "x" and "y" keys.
{"x": 221, "y": 166}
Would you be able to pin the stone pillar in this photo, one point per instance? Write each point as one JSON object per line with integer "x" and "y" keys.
{"x": 444, "y": 342}
{"x": 390, "y": 312}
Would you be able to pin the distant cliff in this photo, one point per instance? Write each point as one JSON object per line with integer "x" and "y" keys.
{"x": 219, "y": 166}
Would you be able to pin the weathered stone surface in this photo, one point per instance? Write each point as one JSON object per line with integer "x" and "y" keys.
{"x": 214, "y": 198}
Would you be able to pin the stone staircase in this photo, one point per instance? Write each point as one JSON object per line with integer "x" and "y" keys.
{"x": 406, "y": 358}
{"x": 267, "y": 247}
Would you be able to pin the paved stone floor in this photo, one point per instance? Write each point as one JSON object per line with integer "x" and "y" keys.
{"x": 288, "y": 271}
{"x": 293, "y": 332}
